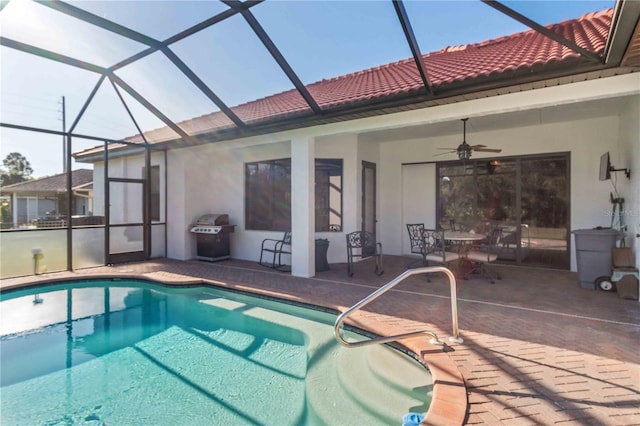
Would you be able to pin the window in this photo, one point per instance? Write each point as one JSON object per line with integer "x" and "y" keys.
{"x": 154, "y": 185}
{"x": 268, "y": 195}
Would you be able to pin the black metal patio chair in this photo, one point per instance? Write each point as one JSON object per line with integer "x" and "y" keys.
{"x": 415, "y": 239}
{"x": 364, "y": 244}
{"x": 274, "y": 249}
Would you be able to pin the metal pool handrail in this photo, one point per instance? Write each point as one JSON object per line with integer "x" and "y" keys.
{"x": 373, "y": 296}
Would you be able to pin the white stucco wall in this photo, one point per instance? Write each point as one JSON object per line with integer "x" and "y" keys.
{"x": 418, "y": 200}
{"x": 179, "y": 241}
{"x": 629, "y": 157}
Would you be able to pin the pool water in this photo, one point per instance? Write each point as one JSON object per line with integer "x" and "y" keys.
{"x": 130, "y": 352}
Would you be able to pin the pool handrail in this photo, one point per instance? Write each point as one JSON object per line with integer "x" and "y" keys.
{"x": 373, "y": 296}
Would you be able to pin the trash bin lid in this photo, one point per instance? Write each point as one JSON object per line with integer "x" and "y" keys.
{"x": 603, "y": 231}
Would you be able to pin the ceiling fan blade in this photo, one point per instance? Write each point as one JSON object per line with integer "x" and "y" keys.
{"x": 443, "y": 153}
{"x": 487, "y": 150}
{"x": 448, "y": 149}
{"x": 476, "y": 147}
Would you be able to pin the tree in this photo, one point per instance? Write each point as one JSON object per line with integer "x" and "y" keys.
{"x": 16, "y": 169}
{"x": 5, "y": 214}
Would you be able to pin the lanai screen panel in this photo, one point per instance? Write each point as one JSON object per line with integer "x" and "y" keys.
{"x": 157, "y": 19}
{"x": 560, "y": 10}
{"x": 442, "y": 24}
{"x": 230, "y": 58}
{"x": 326, "y": 39}
{"x": 31, "y": 90}
{"x": 38, "y": 25}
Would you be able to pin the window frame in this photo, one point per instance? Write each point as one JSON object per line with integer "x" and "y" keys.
{"x": 273, "y": 196}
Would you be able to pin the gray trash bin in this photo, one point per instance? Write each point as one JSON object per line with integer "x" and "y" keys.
{"x": 322, "y": 245}
{"x": 593, "y": 254}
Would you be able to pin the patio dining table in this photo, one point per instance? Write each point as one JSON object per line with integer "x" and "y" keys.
{"x": 463, "y": 242}
{"x": 463, "y": 237}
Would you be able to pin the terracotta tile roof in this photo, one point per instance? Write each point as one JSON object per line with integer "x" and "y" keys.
{"x": 521, "y": 52}
{"x": 55, "y": 183}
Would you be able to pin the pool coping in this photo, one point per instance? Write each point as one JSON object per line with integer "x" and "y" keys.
{"x": 449, "y": 397}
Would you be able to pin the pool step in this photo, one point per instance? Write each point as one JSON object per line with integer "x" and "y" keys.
{"x": 394, "y": 383}
{"x": 412, "y": 376}
{"x": 387, "y": 385}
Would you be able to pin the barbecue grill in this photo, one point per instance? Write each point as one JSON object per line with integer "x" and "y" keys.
{"x": 212, "y": 237}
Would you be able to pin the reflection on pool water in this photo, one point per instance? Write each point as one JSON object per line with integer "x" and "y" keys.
{"x": 130, "y": 352}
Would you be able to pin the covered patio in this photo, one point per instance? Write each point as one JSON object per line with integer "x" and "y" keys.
{"x": 537, "y": 349}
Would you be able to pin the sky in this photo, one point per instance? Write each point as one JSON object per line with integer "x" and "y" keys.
{"x": 319, "y": 39}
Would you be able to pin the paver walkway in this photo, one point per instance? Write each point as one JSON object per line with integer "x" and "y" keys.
{"x": 537, "y": 348}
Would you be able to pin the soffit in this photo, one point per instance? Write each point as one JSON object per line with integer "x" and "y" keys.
{"x": 632, "y": 55}
{"x": 533, "y": 117}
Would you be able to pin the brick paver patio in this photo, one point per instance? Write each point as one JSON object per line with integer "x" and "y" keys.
{"x": 537, "y": 348}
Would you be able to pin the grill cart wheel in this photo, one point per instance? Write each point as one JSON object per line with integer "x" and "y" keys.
{"x": 605, "y": 284}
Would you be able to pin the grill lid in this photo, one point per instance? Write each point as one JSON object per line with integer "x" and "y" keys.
{"x": 213, "y": 220}
{"x": 212, "y": 224}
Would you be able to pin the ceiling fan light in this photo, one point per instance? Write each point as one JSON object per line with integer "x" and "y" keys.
{"x": 464, "y": 150}
{"x": 464, "y": 154}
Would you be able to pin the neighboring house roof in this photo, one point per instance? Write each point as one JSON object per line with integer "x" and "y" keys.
{"x": 55, "y": 183}
{"x": 522, "y": 54}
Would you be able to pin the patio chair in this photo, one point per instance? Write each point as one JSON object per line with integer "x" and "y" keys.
{"x": 415, "y": 239}
{"x": 434, "y": 249}
{"x": 511, "y": 240}
{"x": 364, "y": 242}
{"x": 274, "y": 249}
{"x": 483, "y": 254}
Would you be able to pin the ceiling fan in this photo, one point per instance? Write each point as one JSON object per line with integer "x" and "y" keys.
{"x": 464, "y": 149}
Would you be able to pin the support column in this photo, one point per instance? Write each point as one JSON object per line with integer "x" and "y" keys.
{"x": 67, "y": 163}
{"x": 183, "y": 245}
{"x": 303, "y": 207}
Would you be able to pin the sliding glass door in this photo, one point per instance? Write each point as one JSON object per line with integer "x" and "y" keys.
{"x": 545, "y": 210}
{"x": 526, "y": 197}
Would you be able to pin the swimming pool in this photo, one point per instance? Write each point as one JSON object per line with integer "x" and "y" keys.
{"x": 131, "y": 352}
